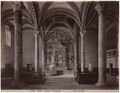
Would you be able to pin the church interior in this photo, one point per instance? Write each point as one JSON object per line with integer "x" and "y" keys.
{"x": 59, "y": 45}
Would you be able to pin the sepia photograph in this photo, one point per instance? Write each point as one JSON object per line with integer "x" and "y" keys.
{"x": 59, "y": 46}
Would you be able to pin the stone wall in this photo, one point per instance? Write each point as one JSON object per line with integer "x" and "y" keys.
{"x": 7, "y": 52}
{"x": 91, "y": 48}
{"x": 28, "y": 48}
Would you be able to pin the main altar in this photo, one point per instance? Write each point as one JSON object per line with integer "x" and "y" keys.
{"x": 55, "y": 56}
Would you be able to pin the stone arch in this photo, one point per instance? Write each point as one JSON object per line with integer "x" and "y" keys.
{"x": 60, "y": 28}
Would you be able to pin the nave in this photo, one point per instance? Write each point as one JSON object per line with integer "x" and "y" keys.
{"x": 40, "y": 41}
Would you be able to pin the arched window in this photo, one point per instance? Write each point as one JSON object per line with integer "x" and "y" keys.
{"x": 7, "y": 36}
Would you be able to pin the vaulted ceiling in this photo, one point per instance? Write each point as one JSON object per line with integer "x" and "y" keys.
{"x": 69, "y": 15}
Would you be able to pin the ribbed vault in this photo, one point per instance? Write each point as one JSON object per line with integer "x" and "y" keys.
{"x": 40, "y": 15}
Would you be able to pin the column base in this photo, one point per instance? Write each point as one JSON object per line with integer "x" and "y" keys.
{"x": 100, "y": 84}
{"x": 82, "y": 72}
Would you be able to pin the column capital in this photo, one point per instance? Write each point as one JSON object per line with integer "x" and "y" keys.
{"x": 99, "y": 8}
{"x": 36, "y": 33}
{"x": 82, "y": 32}
{"x": 17, "y": 6}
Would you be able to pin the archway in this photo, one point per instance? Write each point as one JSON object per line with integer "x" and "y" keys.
{"x": 60, "y": 51}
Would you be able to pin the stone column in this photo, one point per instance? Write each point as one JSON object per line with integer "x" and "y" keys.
{"x": 75, "y": 54}
{"x": 36, "y": 34}
{"x": 43, "y": 56}
{"x": 82, "y": 52}
{"x": 17, "y": 41}
{"x": 66, "y": 56}
{"x": 101, "y": 47}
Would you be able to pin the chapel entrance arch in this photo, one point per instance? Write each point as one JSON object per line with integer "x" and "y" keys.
{"x": 60, "y": 52}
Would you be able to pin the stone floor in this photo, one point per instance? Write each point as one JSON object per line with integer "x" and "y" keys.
{"x": 59, "y": 82}
{"x": 65, "y": 82}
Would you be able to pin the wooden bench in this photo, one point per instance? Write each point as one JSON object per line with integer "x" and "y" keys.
{"x": 86, "y": 78}
{"x": 34, "y": 77}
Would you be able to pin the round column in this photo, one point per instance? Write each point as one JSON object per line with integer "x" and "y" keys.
{"x": 75, "y": 54}
{"x": 82, "y": 52}
{"x": 17, "y": 41}
{"x": 36, "y": 34}
{"x": 101, "y": 47}
{"x": 43, "y": 56}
